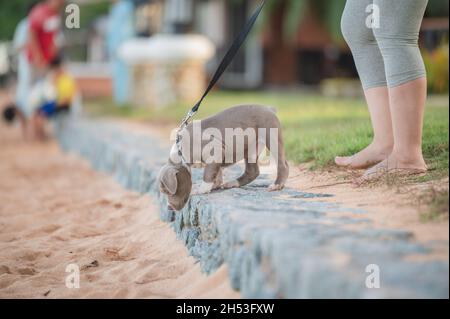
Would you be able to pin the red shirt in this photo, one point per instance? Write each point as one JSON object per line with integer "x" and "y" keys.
{"x": 45, "y": 23}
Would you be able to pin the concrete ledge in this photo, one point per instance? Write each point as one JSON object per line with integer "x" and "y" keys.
{"x": 286, "y": 244}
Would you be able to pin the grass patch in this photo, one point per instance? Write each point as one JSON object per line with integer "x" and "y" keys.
{"x": 315, "y": 128}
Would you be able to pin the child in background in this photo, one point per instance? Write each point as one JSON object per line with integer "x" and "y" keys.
{"x": 17, "y": 108}
{"x": 51, "y": 96}
{"x": 23, "y": 70}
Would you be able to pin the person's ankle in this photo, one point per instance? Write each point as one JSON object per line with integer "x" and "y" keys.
{"x": 409, "y": 159}
{"x": 383, "y": 147}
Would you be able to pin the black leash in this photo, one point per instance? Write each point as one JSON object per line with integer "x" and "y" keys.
{"x": 229, "y": 56}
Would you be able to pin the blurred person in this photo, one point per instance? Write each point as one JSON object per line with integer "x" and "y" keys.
{"x": 51, "y": 96}
{"x": 393, "y": 76}
{"x": 44, "y": 31}
{"x": 120, "y": 29}
{"x": 23, "y": 72}
{"x": 4, "y": 63}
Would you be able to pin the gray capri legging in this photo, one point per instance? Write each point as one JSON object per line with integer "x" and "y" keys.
{"x": 388, "y": 54}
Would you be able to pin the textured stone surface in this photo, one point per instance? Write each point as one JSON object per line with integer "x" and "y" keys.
{"x": 286, "y": 244}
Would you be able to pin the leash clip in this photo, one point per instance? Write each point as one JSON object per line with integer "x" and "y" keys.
{"x": 184, "y": 124}
{"x": 186, "y": 119}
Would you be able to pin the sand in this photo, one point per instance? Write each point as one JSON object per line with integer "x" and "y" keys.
{"x": 55, "y": 211}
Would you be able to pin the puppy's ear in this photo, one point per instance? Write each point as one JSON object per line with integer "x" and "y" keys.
{"x": 168, "y": 179}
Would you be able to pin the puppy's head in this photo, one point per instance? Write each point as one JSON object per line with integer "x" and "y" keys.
{"x": 175, "y": 181}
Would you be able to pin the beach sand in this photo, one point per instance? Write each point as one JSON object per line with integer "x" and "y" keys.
{"x": 55, "y": 211}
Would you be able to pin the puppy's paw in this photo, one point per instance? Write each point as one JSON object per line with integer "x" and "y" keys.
{"x": 199, "y": 192}
{"x": 204, "y": 188}
{"x": 230, "y": 185}
{"x": 275, "y": 187}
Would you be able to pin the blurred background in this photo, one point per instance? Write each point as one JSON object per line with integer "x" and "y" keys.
{"x": 296, "y": 43}
{"x": 150, "y": 60}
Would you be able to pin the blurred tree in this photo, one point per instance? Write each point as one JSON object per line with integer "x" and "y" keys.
{"x": 91, "y": 11}
{"x": 11, "y": 12}
{"x": 329, "y": 12}
{"x": 437, "y": 8}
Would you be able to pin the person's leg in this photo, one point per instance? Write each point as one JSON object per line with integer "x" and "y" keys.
{"x": 22, "y": 92}
{"x": 381, "y": 146}
{"x": 38, "y": 127}
{"x": 23, "y": 124}
{"x": 370, "y": 65}
{"x": 405, "y": 72}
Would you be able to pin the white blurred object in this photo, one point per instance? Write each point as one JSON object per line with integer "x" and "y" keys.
{"x": 167, "y": 68}
{"x": 211, "y": 21}
{"x": 167, "y": 48}
{"x": 4, "y": 61}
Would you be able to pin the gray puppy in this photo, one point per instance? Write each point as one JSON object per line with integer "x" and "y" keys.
{"x": 253, "y": 127}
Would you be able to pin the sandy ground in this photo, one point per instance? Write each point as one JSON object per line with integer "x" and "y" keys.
{"x": 55, "y": 211}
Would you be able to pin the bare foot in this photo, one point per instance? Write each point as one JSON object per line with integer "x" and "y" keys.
{"x": 202, "y": 189}
{"x": 275, "y": 187}
{"x": 371, "y": 155}
{"x": 229, "y": 185}
{"x": 392, "y": 165}
{"x": 218, "y": 181}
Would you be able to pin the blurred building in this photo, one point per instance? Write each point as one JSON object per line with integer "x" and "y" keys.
{"x": 312, "y": 55}
{"x": 268, "y": 59}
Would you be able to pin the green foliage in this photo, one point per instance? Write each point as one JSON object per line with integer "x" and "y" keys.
{"x": 436, "y": 63}
{"x": 331, "y": 17}
{"x": 329, "y": 13}
{"x": 437, "y": 8}
{"x": 90, "y": 11}
{"x": 11, "y": 12}
{"x": 294, "y": 14}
